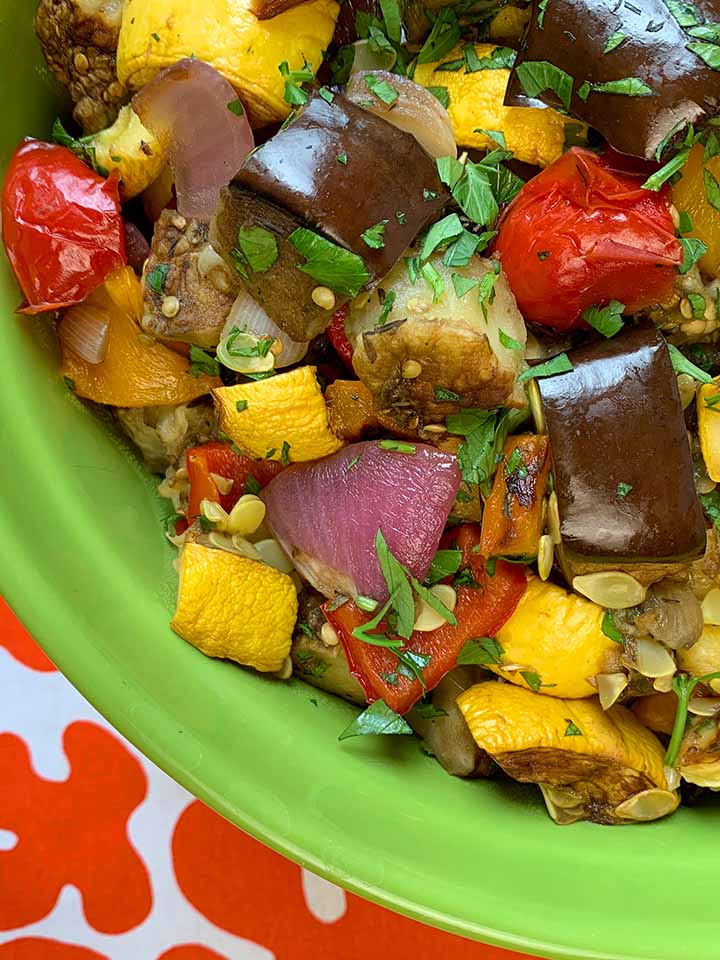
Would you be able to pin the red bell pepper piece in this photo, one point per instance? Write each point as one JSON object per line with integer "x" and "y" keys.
{"x": 339, "y": 339}
{"x": 480, "y": 611}
{"x": 61, "y": 224}
{"x": 220, "y": 458}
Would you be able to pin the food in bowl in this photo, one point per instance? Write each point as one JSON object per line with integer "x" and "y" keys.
{"x": 421, "y": 336}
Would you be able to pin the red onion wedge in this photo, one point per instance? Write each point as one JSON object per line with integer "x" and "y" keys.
{"x": 416, "y": 110}
{"x": 326, "y": 514}
{"x": 197, "y": 117}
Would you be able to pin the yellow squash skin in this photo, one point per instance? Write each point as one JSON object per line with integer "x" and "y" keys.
{"x": 505, "y": 719}
{"x": 235, "y": 608}
{"x": 476, "y": 101}
{"x": 702, "y": 657}
{"x": 556, "y": 635}
{"x": 688, "y": 194}
{"x": 287, "y": 408}
{"x": 709, "y": 430}
{"x": 131, "y": 149}
{"x": 225, "y": 34}
{"x": 508, "y": 25}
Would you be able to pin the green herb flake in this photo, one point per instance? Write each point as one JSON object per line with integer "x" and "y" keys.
{"x": 236, "y": 107}
{"x": 444, "y": 35}
{"x": 294, "y": 94}
{"x": 352, "y": 463}
{"x": 501, "y": 58}
{"x": 463, "y": 285}
{"x": 395, "y": 575}
{"x": 400, "y": 217}
{"x": 386, "y": 308}
{"x": 660, "y": 177}
{"x": 551, "y": 368}
{"x": 606, "y": 320}
{"x": 157, "y": 277}
{"x": 539, "y": 76}
{"x": 543, "y": 254}
{"x": 445, "y": 563}
{"x": 542, "y": 8}
{"x": 684, "y": 12}
{"x": 171, "y": 521}
{"x": 327, "y": 95}
{"x": 378, "y": 718}
{"x": 241, "y": 405}
{"x": 486, "y": 288}
{"x": 427, "y": 711}
{"x": 481, "y": 651}
{"x": 614, "y": 41}
{"x": 381, "y": 89}
{"x": 712, "y": 189}
{"x": 450, "y": 66}
{"x": 328, "y": 264}
{"x": 497, "y": 135}
{"x": 490, "y": 565}
{"x": 440, "y": 234}
{"x": 683, "y": 687}
{"x": 711, "y": 506}
{"x": 285, "y": 454}
{"x": 434, "y": 280}
{"x": 460, "y": 253}
{"x": 485, "y": 432}
{"x": 156, "y": 37}
{"x": 697, "y": 305}
{"x": 367, "y": 604}
{"x": 510, "y": 343}
{"x": 442, "y": 94}
{"x": 584, "y": 90}
{"x": 342, "y": 158}
{"x": 252, "y": 485}
{"x": 257, "y": 249}
{"x": 623, "y": 489}
{"x": 609, "y": 629}
{"x": 202, "y": 362}
{"x": 374, "y": 236}
{"x": 626, "y": 87}
{"x": 206, "y": 525}
{"x": 572, "y": 730}
{"x": 693, "y": 250}
{"x": 442, "y": 393}
{"x": 398, "y": 446}
{"x": 532, "y": 679}
{"x": 681, "y": 364}
{"x": 709, "y": 53}
{"x": 686, "y": 223}
{"x": 392, "y": 19}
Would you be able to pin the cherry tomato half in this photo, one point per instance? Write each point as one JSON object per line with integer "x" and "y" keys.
{"x": 61, "y": 225}
{"x": 584, "y": 232}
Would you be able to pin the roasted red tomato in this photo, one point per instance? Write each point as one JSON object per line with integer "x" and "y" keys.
{"x": 61, "y": 225}
{"x": 584, "y": 232}
{"x": 220, "y": 459}
{"x": 484, "y": 603}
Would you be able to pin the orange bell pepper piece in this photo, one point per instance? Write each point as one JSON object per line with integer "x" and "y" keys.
{"x": 512, "y": 517}
{"x": 137, "y": 371}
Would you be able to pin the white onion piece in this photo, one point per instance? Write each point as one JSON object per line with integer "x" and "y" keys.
{"x": 84, "y": 329}
{"x": 186, "y": 107}
{"x": 416, "y": 111}
{"x": 366, "y": 59}
{"x": 247, "y": 314}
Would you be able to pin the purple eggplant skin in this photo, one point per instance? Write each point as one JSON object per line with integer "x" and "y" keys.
{"x": 383, "y": 175}
{"x": 573, "y": 34}
{"x": 622, "y": 465}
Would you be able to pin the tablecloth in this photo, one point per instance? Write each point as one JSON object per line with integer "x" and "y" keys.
{"x": 105, "y": 857}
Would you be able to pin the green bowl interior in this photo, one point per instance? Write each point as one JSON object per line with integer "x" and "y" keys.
{"x": 86, "y": 566}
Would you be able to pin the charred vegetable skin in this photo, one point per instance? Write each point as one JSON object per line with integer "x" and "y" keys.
{"x": 297, "y": 179}
{"x": 657, "y": 51}
{"x": 621, "y": 461}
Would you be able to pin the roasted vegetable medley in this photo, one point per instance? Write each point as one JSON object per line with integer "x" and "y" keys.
{"x": 415, "y": 310}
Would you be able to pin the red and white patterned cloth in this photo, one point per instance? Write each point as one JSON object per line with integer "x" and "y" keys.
{"x": 104, "y": 857}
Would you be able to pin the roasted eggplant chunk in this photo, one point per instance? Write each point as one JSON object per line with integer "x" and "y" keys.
{"x": 621, "y": 461}
{"x": 634, "y": 71}
{"x": 348, "y": 176}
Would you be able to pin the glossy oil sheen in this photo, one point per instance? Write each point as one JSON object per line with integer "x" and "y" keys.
{"x": 85, "y": 565}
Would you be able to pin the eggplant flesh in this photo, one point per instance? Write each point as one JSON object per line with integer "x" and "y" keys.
{"x": 572, "y": 35}
{"x": 622, "y": 465}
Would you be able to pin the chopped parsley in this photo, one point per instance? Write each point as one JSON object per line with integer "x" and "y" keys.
{"x": 712, "y": 189}
{"x": 480, "y": 651}
{"x": 486, "y": 289}
{"x": 387, "y": 306}
{"x": 609, "y": 629}
{"x": 440, "y": 234}
{"x": 697, "y": 305}
{"x": 627, "y": 87}
{"x": 501, "y": 58}
{"x": 252, "y": 486}
{"x": 463, "y": 285}
{"x": 241, "y": 405}
{"x": 328, "y": 264}
{"x": 236, "y": 107}
{"x": 572, "y": 730}
{"x": 444, "y": 35}
{"x": 157, "y": 277}
{"x": 202, "y": 362}
{"x": 256, "y": 251}
{"x": 381, "y": 89}
{"x": 510, "y": 343}
{"x": 606, "y": 320}
{"x": 709, "y": 53}
{"x": 327, "y": 95}
{"x": 532, "y": 679}
{"x": 614, "y": 41}
{"x": 693, "y": 250}
{"x": 539, "y": 76}
{"x": 434, "y": 280}
{"x": 352, "y": 463}
{"x": 294, "y": 93}
{"x": 442, "y": 94}
{"x": 442, "y": 393}
{"x": 623, "y": 489}
{"x": 376, "y": 719}
{"x": 374, "y": 236}
{"x": 342, "y": 158}
{"x": 400, "y": 217}
{"x": 484, "y": 433}
{"x": 285, "y": 454}
{"x": 683, "y": 686}
{"x": 427, "y": 711}
{"x": 543, "y": 254}
{"x": 398, "y": 446}
{"x": 551, "y": 368}
{"x": 681, "y": 364}
{"x": 444, "y": 564}
{"x": 366, "y": 603}
{"x": 497, "y": 135}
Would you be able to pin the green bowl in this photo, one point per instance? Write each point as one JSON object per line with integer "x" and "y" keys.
{"x": 86, "y": 566}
